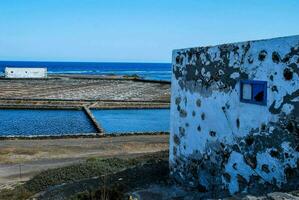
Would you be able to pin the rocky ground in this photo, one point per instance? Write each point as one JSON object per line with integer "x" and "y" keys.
{"x": 87, "y": 88}
{"x": 76, "y": 91}
{"x": 142, "y": 177}
{"x": 34, "y": 155}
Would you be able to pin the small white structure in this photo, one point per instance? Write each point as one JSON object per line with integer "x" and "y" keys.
{"x": 11, "y": 72}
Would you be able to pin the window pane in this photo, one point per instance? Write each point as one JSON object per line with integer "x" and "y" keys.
{"x": 247, "y": 91}
{"x": 258, "y": 92}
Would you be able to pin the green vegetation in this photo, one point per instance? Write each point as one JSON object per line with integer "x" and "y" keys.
{"x": 16, "y": 194}
{"x": 105, "y": 193}
{"x": 93, "y": 167}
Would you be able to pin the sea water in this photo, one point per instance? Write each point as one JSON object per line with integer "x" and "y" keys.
{"x": 150, "y": 71}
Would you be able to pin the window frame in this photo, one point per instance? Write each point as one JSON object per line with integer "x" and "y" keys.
{"x": 252, "y": 83}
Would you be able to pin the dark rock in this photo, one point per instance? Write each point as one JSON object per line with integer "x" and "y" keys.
{"x": 212, "y": 133}
{"x": 249, "y": 140}
{"x": 288, "y": 74}
{"x": 286, "y": 59}
{"x": 235, "y": 166}
{"x": 289, "y": 172}
{"x": 250, "y": 160}
{"x": 176, "y": 140}
{"x": 274, "y": 153}
{"x": 290, "y": 127}
{"x": 198, "y": 102}
{"x": 178, "y": 100}
{"x": 193, "y": 113}
{"x": 274, "y": 88}
{"x": 262, "y": 55}
{"x": 236, "y": 148}
{"x": 174, "y": 151}
{"x": 183, "y": 113}
{"x": 263, "y": 127}
{"x": 227, "y": 177}
{"x": 179, "y": 108}
{"x": 238, "y": 122}
{"x": 271, "y": 77}
{"x": 201, "y": 188}
{"x": 182, "y": 131}
{"x": 199, "y": 128}
{"x": 276, "y": 57}
{"x": 179, "y": 60}
{"x": 286, "y": 155}
{"x": 242, "y": 183}
{"x": 203, "y": 116}
{"x": 265, "y": 168}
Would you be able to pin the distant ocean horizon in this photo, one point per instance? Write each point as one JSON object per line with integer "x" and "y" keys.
{"x": 150, "y": 71}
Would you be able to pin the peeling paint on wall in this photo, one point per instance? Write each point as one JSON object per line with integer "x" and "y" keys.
{"x": 228, "y": 145}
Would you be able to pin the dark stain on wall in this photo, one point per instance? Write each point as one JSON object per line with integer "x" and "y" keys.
{"x": 212, "y": 133}
{"x": 203, "y": 116}
{"x": 287, "y": 99}
{"x": 274, "y": 88}
{"x": 238, "y": 123}
{"x": 265, "y": 168}
{"x": 276, "y": 57}
{"x": 176, "y": 140}
{"x": 262, "y": 55}
{"x": 288, "y": 74}
{"x": 198, "y": 102}
{"x": 199, "y": 128}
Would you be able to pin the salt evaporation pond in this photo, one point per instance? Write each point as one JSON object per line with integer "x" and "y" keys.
{"x": 44, "y": 122}
{"x": 133, "y": 120}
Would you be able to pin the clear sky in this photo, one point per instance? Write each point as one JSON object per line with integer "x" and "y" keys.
{"x": 135, "y": 30}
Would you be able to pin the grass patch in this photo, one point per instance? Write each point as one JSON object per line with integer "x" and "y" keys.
{"x": 19, "y": 151}
{"x": 89, "y": 169}
{"x": 93, "y": 167}
{"x": 15, "y": 155}
{"x": 15, "y": 194}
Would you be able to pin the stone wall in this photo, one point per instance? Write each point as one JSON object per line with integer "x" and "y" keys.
{"x": 219, "y": 144}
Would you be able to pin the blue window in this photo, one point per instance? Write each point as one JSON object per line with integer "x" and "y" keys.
{"x": 253, "y": 92}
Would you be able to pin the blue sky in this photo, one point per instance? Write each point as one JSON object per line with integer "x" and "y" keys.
{"x": 134, "y": 30}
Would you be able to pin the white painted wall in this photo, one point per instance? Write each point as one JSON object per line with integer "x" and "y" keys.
{"x": 11, "y": 72}
{"x": 222, "y": 109}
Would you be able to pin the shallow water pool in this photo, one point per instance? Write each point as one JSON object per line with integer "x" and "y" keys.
{"x": 133, "y": 120}
{"x": 44, "y": 122}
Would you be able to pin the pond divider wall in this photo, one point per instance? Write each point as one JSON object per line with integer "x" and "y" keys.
{"x": 39, "y": 107}
{"x": 85, "y": 100}
{"x": 94, "y": 121}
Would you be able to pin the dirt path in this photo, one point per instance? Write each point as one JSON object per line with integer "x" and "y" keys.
{"x": 32, "y": 156}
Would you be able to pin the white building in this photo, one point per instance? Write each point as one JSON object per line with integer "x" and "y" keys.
{"x": 11, "y": 72}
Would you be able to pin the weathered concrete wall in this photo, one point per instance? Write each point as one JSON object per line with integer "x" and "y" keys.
{"x": 11, "y": 72}
{"x": 218, "y": 143}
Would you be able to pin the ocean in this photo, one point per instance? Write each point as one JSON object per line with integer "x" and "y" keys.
{"x": 150, "y": 71}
